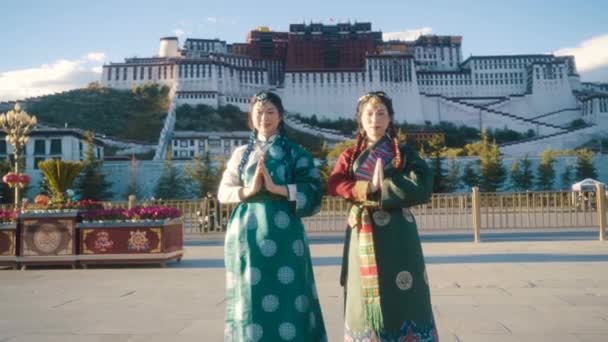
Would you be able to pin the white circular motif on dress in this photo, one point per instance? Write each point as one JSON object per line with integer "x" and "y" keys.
{"x": 408, "y": 215}
{"x": 381, "y": 217}
{"x": 301, "y": 200}
{"x": 285, "y": 275}
{"x": 281, "y": 219}
{"x": 301, "y": 303}
{"x": 298, "y": 247}
{"x": 254, "y": 332}
{"x": 404, "y": 280}
{"x": 279, "y": 172}
{"x": 314, "y": 173}
{"x": 312, "y": 320}
{"x": 302, "y": 163}
{"x": 251, "y": 222}
{"x": 253, "y": 275}
{"x": 287, "y": 331}
{"x": 268, "y": 248}
{"x": 270, "y": 303}
{"x": 230, "y": 280}
{"x": 276, "y": 152}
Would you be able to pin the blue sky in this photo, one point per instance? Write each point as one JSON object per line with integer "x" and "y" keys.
{"x": 54, "y": 45}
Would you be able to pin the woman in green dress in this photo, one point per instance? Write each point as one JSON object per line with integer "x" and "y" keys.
{"x": 386, "y": 288}
{"x": 270, "y": 285}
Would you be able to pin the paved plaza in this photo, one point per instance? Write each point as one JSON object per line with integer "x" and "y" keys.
{"x": 503, "y": 289}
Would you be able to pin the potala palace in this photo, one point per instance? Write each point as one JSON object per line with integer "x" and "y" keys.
{"x": 323, "y": 69}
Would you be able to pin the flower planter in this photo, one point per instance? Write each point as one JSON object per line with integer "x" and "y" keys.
{"x": 8, "y": 244}
{"x": 112, "y": 242}
{"x": 47, "y": 237}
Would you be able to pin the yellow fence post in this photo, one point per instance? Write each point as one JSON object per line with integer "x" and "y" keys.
{"x": 131, "y": 202}
{"x": 601, "y": 209}
{"x": 476, "y": 204}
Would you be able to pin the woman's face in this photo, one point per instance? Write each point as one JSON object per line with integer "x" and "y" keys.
{"x": 375, "y": 120}
{"x": 265, "y": 118}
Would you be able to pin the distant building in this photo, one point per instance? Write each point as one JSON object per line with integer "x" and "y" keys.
{"x": 48, "y": 143}
{"x": 189, "y": 144}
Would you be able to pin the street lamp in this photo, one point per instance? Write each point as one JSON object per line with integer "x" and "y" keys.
{"x": 17, "y": 125}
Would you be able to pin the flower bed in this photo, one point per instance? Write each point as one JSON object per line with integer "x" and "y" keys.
{"x": 86, "y": 233}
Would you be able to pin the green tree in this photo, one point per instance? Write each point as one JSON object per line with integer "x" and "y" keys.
{"x": 452, "y": 178}
{"x": 522, "y": 176}
{"x": 584, "y": 164}
{"x": 171, "y": 183}
{"x": 92, "y": 183}
{"x": 567, "y": 177}
{"x": 203, "y": 174}
{"x": 492, "y": 172}
{"x": 546, "y": 172}
{"x": 436, "y": 149}
{"x": 470, "y": 177}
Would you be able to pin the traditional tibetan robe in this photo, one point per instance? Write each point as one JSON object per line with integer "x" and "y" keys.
{"x": 270, "y": 286}
{"x": 387, "y": 295}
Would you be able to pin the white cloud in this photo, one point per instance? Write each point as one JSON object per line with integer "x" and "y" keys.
{"x": 179, "y": 32}
{"x": 96, "y": 56}
{"x": 590, "y": 54}
{"x": 50, "y": 78}
{"x": 213, "y": 20}
{"x": 407, "y": 35}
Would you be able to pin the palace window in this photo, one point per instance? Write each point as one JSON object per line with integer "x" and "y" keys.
{"x": 56, "y": 146}
{"x": 39, "y": 146}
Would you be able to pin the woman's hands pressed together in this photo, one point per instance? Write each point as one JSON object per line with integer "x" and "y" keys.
{"x": 377, "y": 177}
{"x": 263, "y": 180}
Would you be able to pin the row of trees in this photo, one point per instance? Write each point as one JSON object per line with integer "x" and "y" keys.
{"x": 489, "y": 173}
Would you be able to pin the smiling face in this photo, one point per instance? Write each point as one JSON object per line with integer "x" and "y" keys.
{"x": 265, "y": 118}
{"x": 374, "y": 118}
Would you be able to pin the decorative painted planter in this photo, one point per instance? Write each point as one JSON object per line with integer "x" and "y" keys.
{"x": 112, "y": 242}
{"x": 48, "y": 237}
{"x": 8, "y": 244}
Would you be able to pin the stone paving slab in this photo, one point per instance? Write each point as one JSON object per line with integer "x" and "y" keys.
{"x": 492, "y": 291}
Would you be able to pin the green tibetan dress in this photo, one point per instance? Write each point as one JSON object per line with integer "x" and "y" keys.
{"x": 400, "y": 288}
{"x": 270, "y": 286}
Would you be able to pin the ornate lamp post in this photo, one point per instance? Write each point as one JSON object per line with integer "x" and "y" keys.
{"x": 17, "y": 125}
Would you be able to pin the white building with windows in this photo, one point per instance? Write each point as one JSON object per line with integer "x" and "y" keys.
{"x": 428, "y": 80}
{"x": 48, "y": 143}
{"x": 189, "y": 144}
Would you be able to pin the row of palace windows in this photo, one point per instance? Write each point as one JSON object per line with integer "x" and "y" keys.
{"x": 509, "y": 63}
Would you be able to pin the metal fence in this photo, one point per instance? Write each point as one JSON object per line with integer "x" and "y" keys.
{"x": 445, "y": 212}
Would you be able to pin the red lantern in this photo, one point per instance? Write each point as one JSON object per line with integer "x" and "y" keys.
{"x": 24, "y": 179}
{"x": 11, "y": 178}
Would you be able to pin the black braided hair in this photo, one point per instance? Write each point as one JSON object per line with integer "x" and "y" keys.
{"x": 248, "y": 150}
{"x": 287, "y": 149}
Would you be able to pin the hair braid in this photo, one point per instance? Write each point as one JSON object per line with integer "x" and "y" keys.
{"x": 245, "y": 158}
{"x": 287, "y": 149}
{"x": 395, "y": 138}
{"x": 359, "y": 145}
